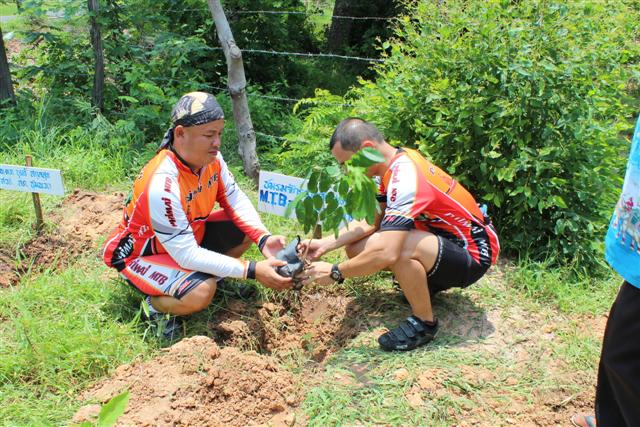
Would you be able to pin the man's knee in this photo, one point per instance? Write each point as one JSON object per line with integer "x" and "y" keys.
{"x": 352, "y": 250}
{"x": 237, "y": 251}
{"x": 200, "y": 297}
{"x": 246, "y": 243}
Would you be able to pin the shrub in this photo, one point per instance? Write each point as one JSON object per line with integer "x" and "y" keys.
{"x": 523, "y": 102}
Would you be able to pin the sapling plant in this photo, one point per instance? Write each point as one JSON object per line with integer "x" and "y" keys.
{"x": 334, "y": 196}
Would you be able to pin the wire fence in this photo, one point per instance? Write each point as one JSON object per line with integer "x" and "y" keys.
{"x": 307, "y": 54}
{"x": 291, "y": 54}
{"x": 290, "y": 12}
{"x": 212, "y": 87}
{"x": 249, "y": 93}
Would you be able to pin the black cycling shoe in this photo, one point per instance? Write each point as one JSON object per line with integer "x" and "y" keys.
{"x": 411, "y": 333}
{"x": 168, "y": 327}
{"x": 236, "y": 289}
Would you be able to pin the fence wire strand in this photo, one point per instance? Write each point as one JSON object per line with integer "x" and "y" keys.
{"x": 39, "y": 69}
{"x": 200, "y": 84}
{"x": 288, "y": 12}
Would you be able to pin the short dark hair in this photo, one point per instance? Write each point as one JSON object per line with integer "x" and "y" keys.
{"x": 352, "y": 131}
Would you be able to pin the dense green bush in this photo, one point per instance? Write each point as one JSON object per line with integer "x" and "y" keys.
{"x": 524, "y": 102}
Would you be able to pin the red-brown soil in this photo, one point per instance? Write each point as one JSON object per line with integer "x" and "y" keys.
{"x": 196, "y": 383}
{"x": 76, "y": 228}
{"x": 315, "y": 324}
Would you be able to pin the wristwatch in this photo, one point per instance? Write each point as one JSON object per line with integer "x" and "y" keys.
{"x": 335, "y": 274}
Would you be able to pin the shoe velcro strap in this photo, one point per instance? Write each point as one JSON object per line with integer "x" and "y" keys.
{"x": 408, "y": 330}
{"x": 416, "y": 323}
{"x": 398, "y": 335}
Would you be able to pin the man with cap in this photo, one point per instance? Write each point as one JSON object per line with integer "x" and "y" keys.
{"x": 171, "y": 244}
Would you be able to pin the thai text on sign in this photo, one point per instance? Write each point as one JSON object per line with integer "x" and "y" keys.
{"x": 31, "y": 180}
{"x": 276, "y": 191}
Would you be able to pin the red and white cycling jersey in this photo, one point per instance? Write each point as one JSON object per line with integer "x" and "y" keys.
{"x": 168, "y": 210}
{"x": 420, "y": 195}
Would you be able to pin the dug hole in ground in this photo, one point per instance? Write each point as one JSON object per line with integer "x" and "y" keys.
{"x": 241, "y": 374}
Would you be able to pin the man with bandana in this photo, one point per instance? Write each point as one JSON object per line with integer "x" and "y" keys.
{"x": 171, "y": 244}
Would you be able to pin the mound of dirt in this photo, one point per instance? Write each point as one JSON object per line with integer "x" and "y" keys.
{"x": 198, "y": 383}
{"x": 81, "y": 221}
{"x": 7, "y": 270}
{"x": 317, "y": 324}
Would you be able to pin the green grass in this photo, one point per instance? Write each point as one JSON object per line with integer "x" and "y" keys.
{"x": 95, "y": 158}
{"x": 8, "y": 9}
{"x": 59, "y": 332}
{"x": 92, "y": 158}
{"x": 485, "y": 377}
{"x": 562, "y": 287}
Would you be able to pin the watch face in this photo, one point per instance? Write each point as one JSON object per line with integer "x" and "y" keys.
{"x": 335, "y": 273}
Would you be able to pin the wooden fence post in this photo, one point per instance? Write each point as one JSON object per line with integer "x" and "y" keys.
{"x": 237, "y": 84}
{"x": 36, "y": 203}
{"x": 6, "y": 87}
{"x": 97, "y": 99}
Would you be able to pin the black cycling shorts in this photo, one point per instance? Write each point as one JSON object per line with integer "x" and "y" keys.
{"x": 221, "y": 236}
{"x": 454, "y": 268}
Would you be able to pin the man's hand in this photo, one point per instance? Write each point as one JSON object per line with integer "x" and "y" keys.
{"x": 273, "y": 245}
{"x": 267, "y": 275}
{"x": 317, "y": 248}
{"x": 319, "y": 272}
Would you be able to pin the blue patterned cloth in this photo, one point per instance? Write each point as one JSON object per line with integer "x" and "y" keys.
{"x": 622, "y": 244}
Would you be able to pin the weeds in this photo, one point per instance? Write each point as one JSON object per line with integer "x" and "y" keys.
{"x": 58, "y": 333}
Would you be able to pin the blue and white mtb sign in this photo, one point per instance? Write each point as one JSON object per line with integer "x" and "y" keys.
{"x": 31, "y": 180}
{"x": 276, "y": 191}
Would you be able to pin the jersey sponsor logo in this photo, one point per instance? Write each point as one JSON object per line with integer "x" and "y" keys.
{"x": 394, "y": 194}
{"x": 481, "y": 239}
{"x": 124, "y": 248}
{"x": 168, "y": 211}
{"x": 139, "y": 269}
{"x": 143, "y": 230}
{"x": 158, "y": 277}
{"x": 394, "y": 176}
{"x": 190, "y": 196}
{"x": 460, "y": 220}
{"x": 214, "y": 178}
{"x": 167, "y": 185}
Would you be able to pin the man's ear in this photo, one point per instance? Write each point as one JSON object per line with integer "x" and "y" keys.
{"x": 178, "y": 132}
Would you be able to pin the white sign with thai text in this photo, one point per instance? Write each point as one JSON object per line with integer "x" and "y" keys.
{"x": 276, "y": 191}
{"x": 31, "y": 180}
